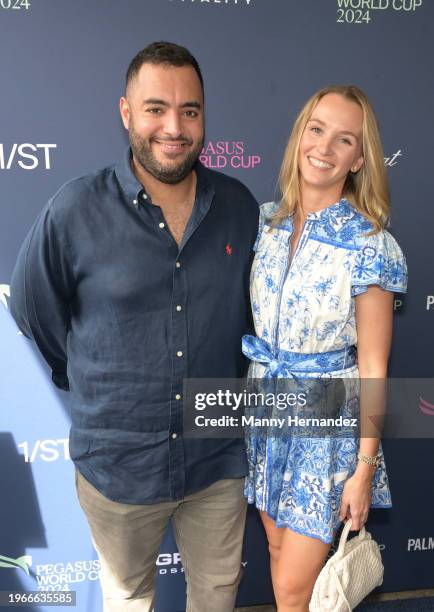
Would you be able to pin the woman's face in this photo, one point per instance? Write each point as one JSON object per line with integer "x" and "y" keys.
{"x": 331, "y": 145}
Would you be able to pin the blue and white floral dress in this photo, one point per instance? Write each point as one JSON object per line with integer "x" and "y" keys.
{"x": 304, "y": 315}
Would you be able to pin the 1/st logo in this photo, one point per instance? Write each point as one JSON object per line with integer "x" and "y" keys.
{"x": 46, "y": 450}
{"x": 27, "y": 156}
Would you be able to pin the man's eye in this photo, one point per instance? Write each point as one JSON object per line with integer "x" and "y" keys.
{"x": 191, "y": 113}
{"x": 154, "y": 111}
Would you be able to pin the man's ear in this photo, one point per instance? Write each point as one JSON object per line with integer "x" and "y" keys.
{"x": 124, "y": 109}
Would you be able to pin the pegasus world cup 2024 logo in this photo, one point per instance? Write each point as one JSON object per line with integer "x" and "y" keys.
{"x": 23, "y": 563}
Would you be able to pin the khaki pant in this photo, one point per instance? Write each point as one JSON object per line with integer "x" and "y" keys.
{"x": 208, "y": 527}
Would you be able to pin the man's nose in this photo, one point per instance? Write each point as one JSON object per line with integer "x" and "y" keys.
{"x": 173, "y": 124}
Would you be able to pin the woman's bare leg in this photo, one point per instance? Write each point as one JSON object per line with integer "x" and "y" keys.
{"x": 274, "y": 537}
{"x": 296, "y": 560}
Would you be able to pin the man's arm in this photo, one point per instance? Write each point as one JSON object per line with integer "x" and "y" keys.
{"x": 42, "y": 286}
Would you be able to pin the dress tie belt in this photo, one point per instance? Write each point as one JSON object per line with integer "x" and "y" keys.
{"x": 286, "y": 364}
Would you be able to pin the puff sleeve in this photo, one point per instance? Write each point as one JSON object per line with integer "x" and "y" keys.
{"x": 379, "y": 261}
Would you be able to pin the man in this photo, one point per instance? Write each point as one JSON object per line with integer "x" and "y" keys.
{"x": 133, "y": 279}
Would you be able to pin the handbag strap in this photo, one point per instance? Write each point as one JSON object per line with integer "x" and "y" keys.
{"x": 344, "y": 537}
{"x": 340, "y": 589}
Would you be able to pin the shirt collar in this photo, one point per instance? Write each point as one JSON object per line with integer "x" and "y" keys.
{"x": 127, "y": 179}
{"x": 204, "y": 189}
{"x": 135, "y": 191}
{"x": 340, "y": 209}
{"x": 334, "y": 215}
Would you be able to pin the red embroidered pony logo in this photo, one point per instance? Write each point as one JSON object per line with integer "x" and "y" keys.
{"x": 228, "y": 249}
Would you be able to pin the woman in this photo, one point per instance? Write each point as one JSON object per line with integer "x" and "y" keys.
{"x": 322, "y": 282}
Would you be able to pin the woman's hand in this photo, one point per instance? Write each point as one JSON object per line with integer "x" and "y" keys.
{"x": 356, "y": 500}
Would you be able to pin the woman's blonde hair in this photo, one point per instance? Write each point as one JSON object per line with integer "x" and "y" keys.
{"x": 366, "y": 189}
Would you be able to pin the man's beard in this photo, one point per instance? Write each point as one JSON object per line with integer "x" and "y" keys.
{"x": 171, "y": 175}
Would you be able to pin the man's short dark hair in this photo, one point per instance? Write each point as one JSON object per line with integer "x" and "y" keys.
{"x": 163, "y": 53}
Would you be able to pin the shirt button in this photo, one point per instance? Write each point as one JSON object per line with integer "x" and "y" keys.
{"x": 179, "y": 308}
{"x": 174, "y": 435}
{"x": 134, "y": 202}
{"x": 178, "y": 265}
{"x": 177, "y": 396}
{"x": 144, "y": 196}
{"x": 179, "y": 354}
{"x": 161, "y": 225}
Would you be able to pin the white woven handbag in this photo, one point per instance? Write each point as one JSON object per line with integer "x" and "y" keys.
{"x": 349, "y": 575}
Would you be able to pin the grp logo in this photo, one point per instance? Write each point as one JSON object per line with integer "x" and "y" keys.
{"x": 222, "y": 154}
{"x": 169, "y": 563}
{"x": 26, "y": 156}
{"x": 362, "y": 11}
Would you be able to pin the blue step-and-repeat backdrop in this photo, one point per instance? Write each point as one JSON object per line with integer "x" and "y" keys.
{"x": 62, "y": 73}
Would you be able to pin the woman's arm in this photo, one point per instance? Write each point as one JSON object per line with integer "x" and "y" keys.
{"x": 374, "y": 314}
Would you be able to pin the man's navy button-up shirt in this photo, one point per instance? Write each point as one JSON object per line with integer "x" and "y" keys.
{"x": 123, "y": 315}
